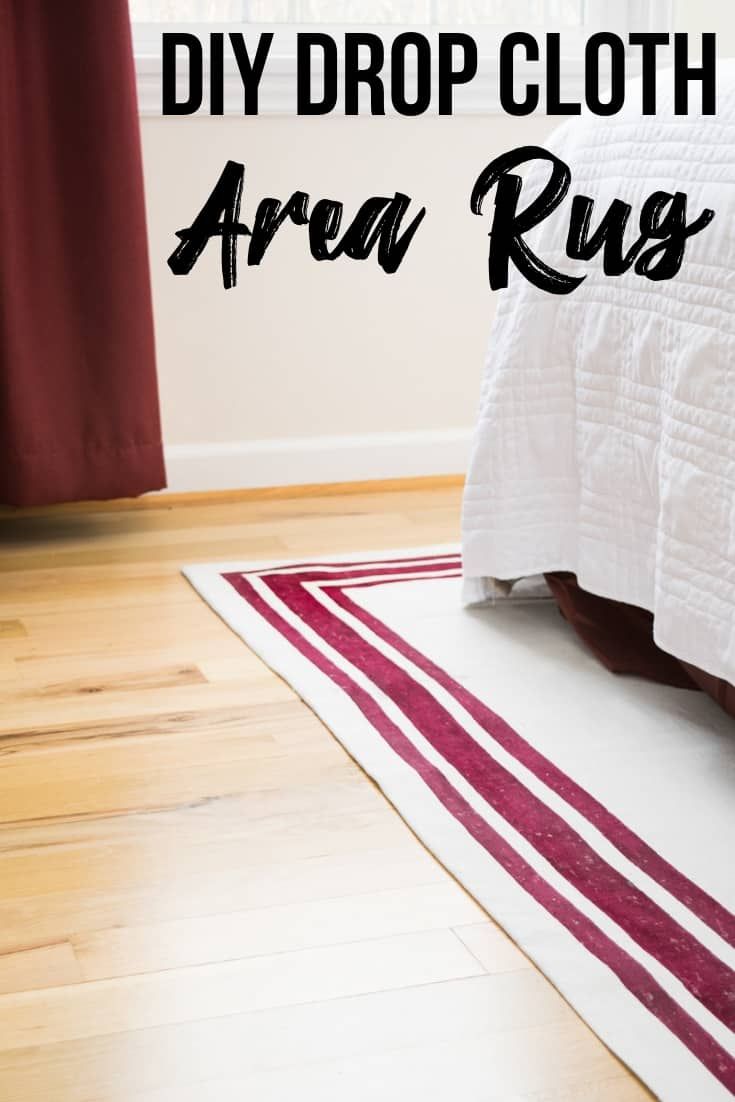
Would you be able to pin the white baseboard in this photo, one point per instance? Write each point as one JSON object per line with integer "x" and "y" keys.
{"x": 316, "y": 459}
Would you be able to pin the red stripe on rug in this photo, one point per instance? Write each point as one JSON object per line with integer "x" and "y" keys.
{"x": 655, "y": 931}
{"x": 707, "y": 909}
{"x": 636, "y": 979}
{"x": 417, "y": 562}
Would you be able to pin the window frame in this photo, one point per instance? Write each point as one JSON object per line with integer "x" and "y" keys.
{"x": 479, "y": 98}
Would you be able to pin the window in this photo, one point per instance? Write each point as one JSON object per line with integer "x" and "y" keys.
{"x": 546, "y": 13}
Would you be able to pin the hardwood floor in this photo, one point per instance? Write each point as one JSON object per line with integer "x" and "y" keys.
{"x": 202, "y": 896}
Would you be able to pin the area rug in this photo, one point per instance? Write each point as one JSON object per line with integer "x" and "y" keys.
{"x": 592, "y": 816}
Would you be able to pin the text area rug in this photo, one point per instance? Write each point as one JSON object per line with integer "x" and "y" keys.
{"x": 592, "y": 816}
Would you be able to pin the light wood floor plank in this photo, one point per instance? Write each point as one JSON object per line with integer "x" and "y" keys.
{"x": 39, "y": 967}
{"x": 408, "y": 1020}
{"x": 47, "y": 916}
{"x": 182, "y": 943}
{"x": 91, "y": 1009}
{"x": 201, "y": 895}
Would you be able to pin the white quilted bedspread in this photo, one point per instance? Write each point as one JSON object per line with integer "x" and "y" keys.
{"x": 606, "y": 436}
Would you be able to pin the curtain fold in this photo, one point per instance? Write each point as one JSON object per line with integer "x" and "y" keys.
{"x": 79, "y": 416}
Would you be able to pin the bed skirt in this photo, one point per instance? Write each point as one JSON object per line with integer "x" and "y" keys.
{"x": 621, "y": 636}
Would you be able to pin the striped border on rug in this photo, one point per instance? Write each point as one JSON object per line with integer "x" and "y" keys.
{"x": 662, "y": 937}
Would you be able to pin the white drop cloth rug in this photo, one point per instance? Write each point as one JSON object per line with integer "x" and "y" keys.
{"x": 592, "y": 816}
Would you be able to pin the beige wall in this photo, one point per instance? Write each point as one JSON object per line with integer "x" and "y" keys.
{"x": 319, "y": 352}
{"x": 312, "y": 350}
{"x": 696, "y": 16}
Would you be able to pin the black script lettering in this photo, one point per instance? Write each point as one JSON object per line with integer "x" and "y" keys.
{"x": 664, "y": 260}
{"x": 663, "y": 220}
{"x": 219, "y": 217}
{"x": 377, "y": 223}
{"x": 509, "y": 226}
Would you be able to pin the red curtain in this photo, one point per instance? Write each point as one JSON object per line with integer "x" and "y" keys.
{"x": 78, "y": 397}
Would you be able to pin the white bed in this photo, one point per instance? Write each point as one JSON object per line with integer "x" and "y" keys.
{"x": 606, "y": 437}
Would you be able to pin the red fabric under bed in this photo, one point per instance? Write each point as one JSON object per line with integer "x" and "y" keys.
{"x": 621, "y": 637}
